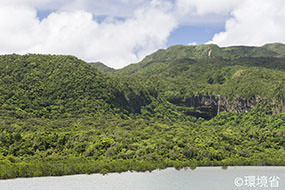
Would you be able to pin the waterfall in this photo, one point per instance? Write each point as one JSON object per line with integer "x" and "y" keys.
{"x": 218, "y": 111}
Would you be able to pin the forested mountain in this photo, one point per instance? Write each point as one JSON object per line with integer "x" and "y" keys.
{"x": 183, "y": 106}
{"x": 187, "y": 74}
{"x": 232, "y": 71}
{"x": 53, "y": 86}
{"x": 210, "y": 52}
{"x": 101, "y": 67}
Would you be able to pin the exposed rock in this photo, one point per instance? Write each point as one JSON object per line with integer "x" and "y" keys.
{"x": 206, "y": 106}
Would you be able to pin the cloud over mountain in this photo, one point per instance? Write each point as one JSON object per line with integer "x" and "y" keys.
{"x": 113, "y": 41}
{"x": 254, "y": 23}
{"x": 124, "y": 31}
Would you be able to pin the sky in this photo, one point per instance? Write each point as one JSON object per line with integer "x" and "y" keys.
{"x": 121, "y": 32}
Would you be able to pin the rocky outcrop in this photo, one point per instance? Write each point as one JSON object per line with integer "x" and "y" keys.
{"x": 208, "y": 106}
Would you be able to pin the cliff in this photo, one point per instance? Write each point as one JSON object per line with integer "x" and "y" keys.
{"x": 208, "y": 106}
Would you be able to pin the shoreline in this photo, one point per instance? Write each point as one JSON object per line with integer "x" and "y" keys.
{"x": 198, "y": 168}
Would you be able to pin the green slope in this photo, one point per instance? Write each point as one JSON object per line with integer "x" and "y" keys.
{"x": 60, "y": 115}
{"x": 207, "y": 52}
{"x": 53, "y": 86}
{"x": 231, "y": 71}
{"x": 101, "y": 67}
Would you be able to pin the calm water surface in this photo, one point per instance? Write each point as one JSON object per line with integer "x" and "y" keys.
{"x": 203, "y": 178}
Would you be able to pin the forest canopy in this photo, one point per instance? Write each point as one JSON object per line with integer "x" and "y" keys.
{"x": 60, "y": 115}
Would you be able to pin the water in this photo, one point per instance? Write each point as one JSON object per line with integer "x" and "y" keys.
{"x": 205, "y": 178}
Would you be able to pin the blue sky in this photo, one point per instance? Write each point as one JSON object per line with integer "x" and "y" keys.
{"x": 187, "y": 34}
{"x": 120, "y": 32}
{"x": 42, "y": 14}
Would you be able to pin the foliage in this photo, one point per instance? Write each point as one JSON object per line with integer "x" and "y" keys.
{"x": 101, "y": 67}
{"x": 232, "y": 71}
{"x": 53, "y": 86}
{"x": 60, "y": 115}
{"x": 36, "y": 147}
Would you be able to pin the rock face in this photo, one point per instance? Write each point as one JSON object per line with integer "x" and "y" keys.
{"x": 208, "y": 106}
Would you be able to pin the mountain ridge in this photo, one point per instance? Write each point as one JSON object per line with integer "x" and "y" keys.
{"x": 211, "y": 51}
{"x": 60, "y": 115}
{"x": 276, "y": 50}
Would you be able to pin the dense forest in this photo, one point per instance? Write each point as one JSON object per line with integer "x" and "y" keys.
{"x": 185, "y": 106}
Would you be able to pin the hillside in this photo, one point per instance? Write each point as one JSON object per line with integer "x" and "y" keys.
{"x": 209, "y": 53}
{"x": 185, "y": 106}
{"x": 53, "y": 86}
{"x": 187, "y": 74}
{"x": 101, "y": 67}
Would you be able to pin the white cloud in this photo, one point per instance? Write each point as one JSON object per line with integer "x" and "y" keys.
{"x": 254, "y": 23}
{"x": 115, "y": 43}
{"x": 116, "y": 8}
{"x": 197, "y": 12}
{"x": 144, "y": 25}
{"x": 203, "y": 7}
{"x": 247, "y": 22}
{"x": 192, "y": 44}
{"x": 17, "y": 28}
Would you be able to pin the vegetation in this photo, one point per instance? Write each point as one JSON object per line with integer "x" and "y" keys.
{"x": 184, "y": 71}
{"x": 60, "y": 115}
{"x": 62, "y": 86}
{"x": 101, "y": 67}
{"x": 36, "y": 147}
